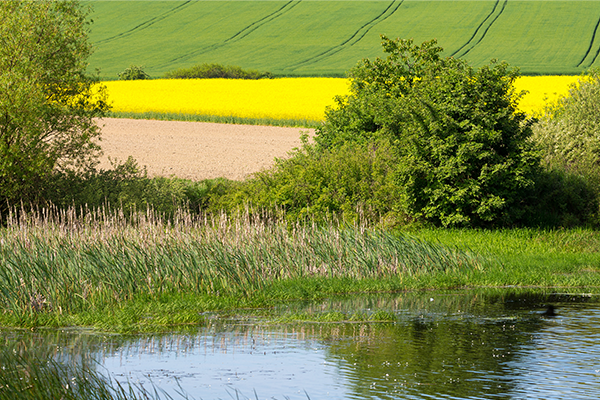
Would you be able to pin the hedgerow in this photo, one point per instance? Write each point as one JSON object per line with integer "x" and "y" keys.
{"x": 211, "y": 71}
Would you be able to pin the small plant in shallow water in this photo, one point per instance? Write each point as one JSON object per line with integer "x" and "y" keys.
{"x": 26, "y": 376}
{"x": 381, "y": 315}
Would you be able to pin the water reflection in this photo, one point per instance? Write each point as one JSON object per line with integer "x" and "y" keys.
{"x": 454, "y": 345}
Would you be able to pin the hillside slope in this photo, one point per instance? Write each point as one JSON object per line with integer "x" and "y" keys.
{"x": 312, "y": 38}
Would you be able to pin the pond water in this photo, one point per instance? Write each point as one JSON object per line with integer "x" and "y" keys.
{"x": 449, "y": 345}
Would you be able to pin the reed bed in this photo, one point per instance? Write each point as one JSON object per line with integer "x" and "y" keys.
{"x": 66, "y": 261}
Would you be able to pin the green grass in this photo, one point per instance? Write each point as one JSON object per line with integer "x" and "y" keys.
{"x": 529, "y": 257}
{"x": 149, "y": 274}
{"x": 316, "y": 38}
{"x": 31, "y": 371}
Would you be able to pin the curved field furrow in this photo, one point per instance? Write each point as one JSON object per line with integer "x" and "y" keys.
{"x": 243, "y": 32}
{"x": 147, "y": 23}
{"x": 480, "y": 37}
{"x": 327, "y": 38}
{"x": 590, "y": 48}
{"x": 356, "y": 36}
{"x": 594, "y": 59}
{"x": 472, "y": 38}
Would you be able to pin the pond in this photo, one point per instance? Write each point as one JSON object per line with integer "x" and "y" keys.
{"x": 453, "y": 345}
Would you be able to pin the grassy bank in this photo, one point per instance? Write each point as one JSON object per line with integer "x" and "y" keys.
{"x": 527, "y": 257}
{"x": 148, "y": 274}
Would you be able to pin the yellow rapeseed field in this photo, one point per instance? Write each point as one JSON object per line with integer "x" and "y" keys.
{"x": 285, "y": 98}
{"x": 542, "y": 89}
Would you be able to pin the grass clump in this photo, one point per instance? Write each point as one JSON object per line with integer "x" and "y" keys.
{"x": 212, "y": 71}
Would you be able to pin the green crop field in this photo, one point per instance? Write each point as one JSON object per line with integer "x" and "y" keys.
{"x": 313, "y": 38}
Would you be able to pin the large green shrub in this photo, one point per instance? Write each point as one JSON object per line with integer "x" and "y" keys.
{"x": 211, "y": 71}
{"x": 463, "y": 155}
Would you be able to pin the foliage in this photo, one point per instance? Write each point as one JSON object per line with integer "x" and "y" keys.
{"x": 563, "y": 199}
{"x": 569, "y": 129}
{"x": 47, "y": 103}
{"x": 463, "y": 155}
{"x": 352, "y": 182}
{"x": 127, "y": 187}
{"x": 568, "y": 134}
{"x": 211, "y": 71}
{"x": 132, "y": 73}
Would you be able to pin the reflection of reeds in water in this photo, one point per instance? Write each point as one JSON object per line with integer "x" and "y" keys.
{"x": 29, "y": 375}
{"x": 61, "y": 261}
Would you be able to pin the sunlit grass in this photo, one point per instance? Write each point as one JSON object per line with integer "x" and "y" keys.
{"x": 57, "y": 265}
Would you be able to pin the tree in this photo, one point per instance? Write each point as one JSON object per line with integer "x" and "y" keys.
{"x": 47, "y": 102}
{"x": 464, "y": 157}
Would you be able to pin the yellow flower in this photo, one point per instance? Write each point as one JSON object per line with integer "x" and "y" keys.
{"x": 286, "y": 98}
{"x": 541, "y": 90}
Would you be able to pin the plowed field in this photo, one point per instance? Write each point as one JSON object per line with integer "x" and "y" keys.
{"x": 196, "y": 150}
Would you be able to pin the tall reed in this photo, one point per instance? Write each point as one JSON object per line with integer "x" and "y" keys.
{"x": 66, "y": 261}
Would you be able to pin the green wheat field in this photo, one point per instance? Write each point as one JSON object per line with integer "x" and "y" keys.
{"x": 326, "y": 38}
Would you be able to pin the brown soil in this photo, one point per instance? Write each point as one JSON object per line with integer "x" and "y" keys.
{"x": 196, "y": 150}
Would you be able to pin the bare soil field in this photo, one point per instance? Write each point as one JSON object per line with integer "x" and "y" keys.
{"x": 196, "y": 150}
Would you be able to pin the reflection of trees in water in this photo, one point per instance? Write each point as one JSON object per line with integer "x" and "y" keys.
{"x": 443, "y": 344}
{"x": 436, "y": 353}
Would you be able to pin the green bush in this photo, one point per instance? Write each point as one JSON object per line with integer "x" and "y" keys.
{"x": 128, "y": 188}
{"x": 353, "y": 182}
{"x": 463, "y": 154}
{"x": 133, "y": 72}
{"x": 562, "y": 199}
{"x": 210, "y": 71}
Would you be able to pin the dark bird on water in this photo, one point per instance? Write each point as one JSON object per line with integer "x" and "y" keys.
{"x": 550, "y": 312}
